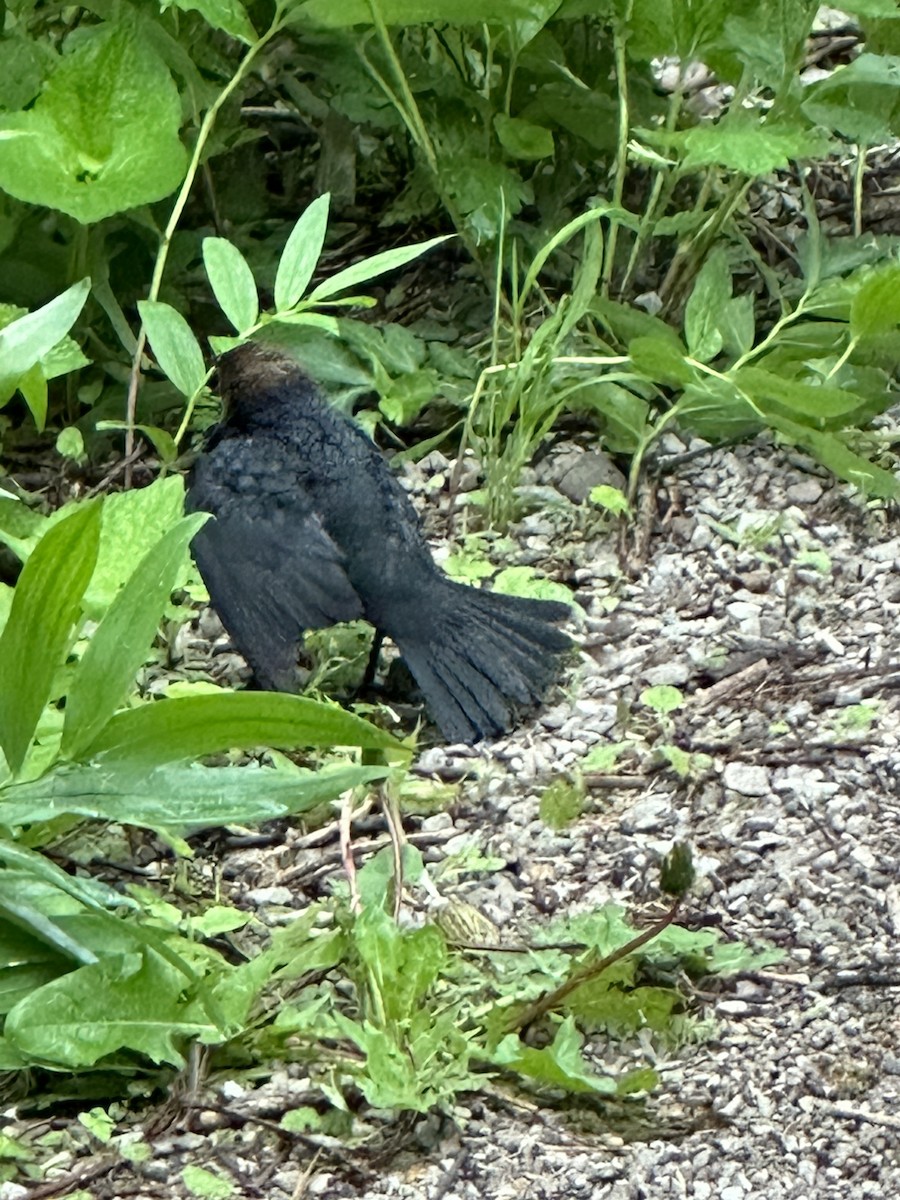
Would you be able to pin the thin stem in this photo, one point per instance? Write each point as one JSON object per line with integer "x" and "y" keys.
{"x": 858, "y": 176}
{"x": 165, "y": 244}
{"x": 589, "y": 971}
{"x": 621, "y": 146}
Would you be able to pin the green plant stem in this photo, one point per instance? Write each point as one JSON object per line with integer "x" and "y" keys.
{"x": 408, "y": 109}
{"x": 165, "y": 244}
{"x": 859, "y": 172}
{"x": 773, "y": 334}
{"x": 621, "y": 146}
{"x": 684, "y": 262}
{"x": 661, "y": 192}
{"x": 588, "y": 972}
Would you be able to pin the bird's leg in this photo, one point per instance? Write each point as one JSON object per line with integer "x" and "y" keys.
{"x": 372, "y": 665}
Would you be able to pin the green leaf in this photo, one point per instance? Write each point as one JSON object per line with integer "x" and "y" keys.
{"x": 561, "y": 1064}
{"x": 875, "y": 308}
{"x": 662, "y": 699}
{"x": 227, "y": 15}
{"x": 33, "y": 387}
{"x": 661, "y": 360}
{"x": 837, "y": 456}
{"x": 860, "y": 100}
{"x": 300, "y": 255}
{"x": 415, "y": 12}
{"x": 102, "y": 137}
{"x": 523, "y": 139}
{"x": 121, "y": 643}
{"x": 177, "y": 350}
{"x": 133, "y": 522}
{"x": 27, "y": 340}
{"x": 232, "y": 282}
{"x": 715, "y": 411}
{"x": 812, "y": 402}
{"x": 189, "y": 727}
{"x": 371, "y": 268}
{"x": 206, "y": 1185}
{"x": 70, "y": 443}
{"x": 130, "y": 1001}
{"x": 178, "y": 799}
{"x": 751, "y": 147}
{"x": 710, "y": 294}
{"x": 46, "y": 605}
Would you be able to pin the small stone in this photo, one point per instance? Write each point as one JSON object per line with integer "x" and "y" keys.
{"x": 674, "y": 673}
{"x": 647, "y": 816}
{"x": 270, "y": 895}
{"x": 747, "y": 779}
{"x": 807, "y": 492}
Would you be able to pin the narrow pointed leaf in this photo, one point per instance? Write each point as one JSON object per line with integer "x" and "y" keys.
{"x": 176, "y": 349}
{"x": 189, "y": 727}
{"x": 232, "y": 282}
{"x": 28, "y": 339}
{"x": 45, "y": 607}
{"x": 121, "y": 643}
{"x": 371, "y": 268}
{"x": 300, "y": 255}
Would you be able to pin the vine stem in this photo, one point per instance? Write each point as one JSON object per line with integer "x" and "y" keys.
{"x": 162, "y": 256}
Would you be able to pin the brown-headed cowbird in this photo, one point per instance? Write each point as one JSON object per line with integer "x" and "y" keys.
{"x": 311, "y": 528}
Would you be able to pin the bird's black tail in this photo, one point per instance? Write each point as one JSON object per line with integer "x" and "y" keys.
{"x": 482, "y": 657}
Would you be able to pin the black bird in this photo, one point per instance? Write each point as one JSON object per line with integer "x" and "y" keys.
{"x": 312, "y": 528}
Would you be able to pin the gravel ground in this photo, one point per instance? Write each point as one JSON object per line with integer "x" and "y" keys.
{"x": 769, "y": 596}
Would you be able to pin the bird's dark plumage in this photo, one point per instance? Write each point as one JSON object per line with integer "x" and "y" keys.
{"x": 312, "y": 528}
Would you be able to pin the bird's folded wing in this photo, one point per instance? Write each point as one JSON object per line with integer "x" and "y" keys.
{"x": 271, "y": 569}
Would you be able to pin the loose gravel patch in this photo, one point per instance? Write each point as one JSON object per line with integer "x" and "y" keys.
{"x": 770, "y": 597}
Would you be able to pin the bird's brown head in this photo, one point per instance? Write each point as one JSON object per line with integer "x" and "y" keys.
{"x": 254, "y": 375}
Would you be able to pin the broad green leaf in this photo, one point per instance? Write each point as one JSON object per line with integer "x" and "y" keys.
{"x": 102, "y": 136}
{"x": 660, "y": 360}
{"x": 188, "y": 727}
{"x": 860, "y": 100}
{"x": 131, "y": 1001}
{"x": 177, "y": 798}
{"x": 133, "y": 522}
{"x": 711, "y": 292}
{"x": 371, "y": 268}
{"x": 33, "y": 387}
{"x": 121, "y": 643}
{"x": 752, "y": 148}
{"x": 45, "y": 607}
{"x": 561, "y": 1064}
{"x": 413, "y": 12}
{"x": 88, "y": 893}
{"x": 804, "y": 400}
{"x": 663, "y": 698}
{"x": 300, "y": 255}
{"x": 25, "y": 341}
{"x": 206, "y": 1185}
{"x": 875, "y": 308}
{"x": 404, "y": 963}
{"x": 715, "y": 411}
{"x": 176, "y": 349}
{"x": 70, "y": 443}
{"x": 232, "y": 282}
{"x": 227, "y": 15}
{"x": 834, "y": 454}
{"x": 21, "y": 912}
{"x": 23, "y": 64}
{"x": 523, "y": 139}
